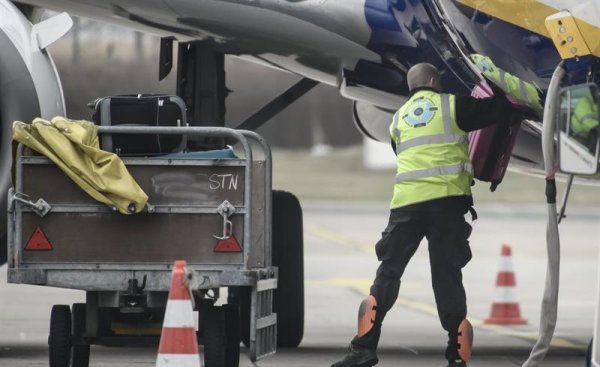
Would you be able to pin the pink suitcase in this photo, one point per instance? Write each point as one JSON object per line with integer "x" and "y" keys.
{"x": 490, "y": 148}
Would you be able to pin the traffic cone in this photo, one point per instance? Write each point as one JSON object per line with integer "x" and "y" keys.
{"x": 505, "y": 309}
{"x": 178, "y": 344}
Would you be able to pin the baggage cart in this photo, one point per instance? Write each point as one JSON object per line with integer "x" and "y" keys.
{"x": 215, "y": 213}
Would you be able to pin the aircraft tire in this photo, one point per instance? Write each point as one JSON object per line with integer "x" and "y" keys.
{"x": 288, "y": 255}
{"x": 59, "y": 340}
{"x": 81, "y": 350}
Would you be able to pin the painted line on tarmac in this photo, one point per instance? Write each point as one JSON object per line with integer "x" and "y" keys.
{"x": 361, "y": 286}
{"x": 338, "y": 238}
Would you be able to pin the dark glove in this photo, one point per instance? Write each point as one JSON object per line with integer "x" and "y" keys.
{"x": 495, "y": 89}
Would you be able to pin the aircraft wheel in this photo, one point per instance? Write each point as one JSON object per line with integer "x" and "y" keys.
{"x": 59, "y": 340}
{"x": 81, "y": 349}
{"x": 288, "y": 255}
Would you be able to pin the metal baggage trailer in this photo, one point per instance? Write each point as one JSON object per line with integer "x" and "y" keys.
{"x": 124, "y": 262}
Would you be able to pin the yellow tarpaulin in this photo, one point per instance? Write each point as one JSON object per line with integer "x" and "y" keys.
{"x": 73, "y": 146}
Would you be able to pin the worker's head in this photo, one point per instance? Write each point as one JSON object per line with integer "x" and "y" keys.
{"x": 423, "y": 75}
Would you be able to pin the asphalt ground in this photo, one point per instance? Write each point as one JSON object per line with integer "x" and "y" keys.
{"x": 339, "y": 266}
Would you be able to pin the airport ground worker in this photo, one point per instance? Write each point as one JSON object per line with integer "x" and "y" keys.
{"x": 431, "y": 196}
{"x": 584, "y": 121}
{"x": 524, "y": 93}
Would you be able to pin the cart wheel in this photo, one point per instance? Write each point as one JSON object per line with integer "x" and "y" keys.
{"x": 244, "y": 298}
{"x": 288, "y": 255}
{"x": 220, "y": 348}
{"x": 59, "y": 341}
{"x": 81, "y": 350}
{"x": 232, "y": 335}
{"x": 3, "y": 249}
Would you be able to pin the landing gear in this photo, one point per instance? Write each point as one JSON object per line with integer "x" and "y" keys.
{"x": 201, "y": 84}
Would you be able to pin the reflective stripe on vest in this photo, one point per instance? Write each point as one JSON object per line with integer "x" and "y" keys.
{"x": 396, "y": 130}
{"x": 432, "y": 139}
{"x": 436, "y": 171}
{"x": 445, "y": 100}
{"x": 523, "y": 91}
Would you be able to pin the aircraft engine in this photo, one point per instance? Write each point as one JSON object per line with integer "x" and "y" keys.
{"x": 373, "y": 121}
{"x": 29, "y": 84}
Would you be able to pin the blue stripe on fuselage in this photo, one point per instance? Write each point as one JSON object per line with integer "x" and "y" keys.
{"x": 380, "y": 15}
{"x": 400, "y": 31}
{"x": 387, "y": 30}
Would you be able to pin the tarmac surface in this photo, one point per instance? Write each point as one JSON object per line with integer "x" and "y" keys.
{"x": 339, "y": 267}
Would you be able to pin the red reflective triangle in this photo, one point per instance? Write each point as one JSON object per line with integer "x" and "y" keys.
{"x": 38, "y": 241}
{"x": 228, "y": 245}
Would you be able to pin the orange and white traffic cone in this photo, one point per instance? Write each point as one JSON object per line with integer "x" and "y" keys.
{"x": 178, "y": 343}
{"x": 505, "y": 309}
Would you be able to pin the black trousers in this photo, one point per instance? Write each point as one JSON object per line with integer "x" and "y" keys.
{"x": 447, "y": 233}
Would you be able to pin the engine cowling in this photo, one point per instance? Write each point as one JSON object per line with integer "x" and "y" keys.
{"x": 373, "y": 121}
{"x": 29, "y": 84}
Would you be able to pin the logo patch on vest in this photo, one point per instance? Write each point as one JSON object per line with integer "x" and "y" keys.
{"x": 485, "y": 66}
{"x": 420, "y": 112}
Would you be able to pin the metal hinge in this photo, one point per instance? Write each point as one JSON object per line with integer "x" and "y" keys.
{"x": 40, "y": 207}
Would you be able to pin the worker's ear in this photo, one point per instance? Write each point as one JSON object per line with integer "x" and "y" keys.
{"x": 435, "y": 84}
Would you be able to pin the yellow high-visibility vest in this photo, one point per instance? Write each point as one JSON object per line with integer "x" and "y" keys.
{"x": 432, "y": 151}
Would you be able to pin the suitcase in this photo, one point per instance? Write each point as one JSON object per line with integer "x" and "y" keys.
{"x": 490, "y": 148}
{"x": 140, "y": 110}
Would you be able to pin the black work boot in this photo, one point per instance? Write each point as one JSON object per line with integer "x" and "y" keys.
{"x": 457, "y": 363}
{"x": 358, "y": 357}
